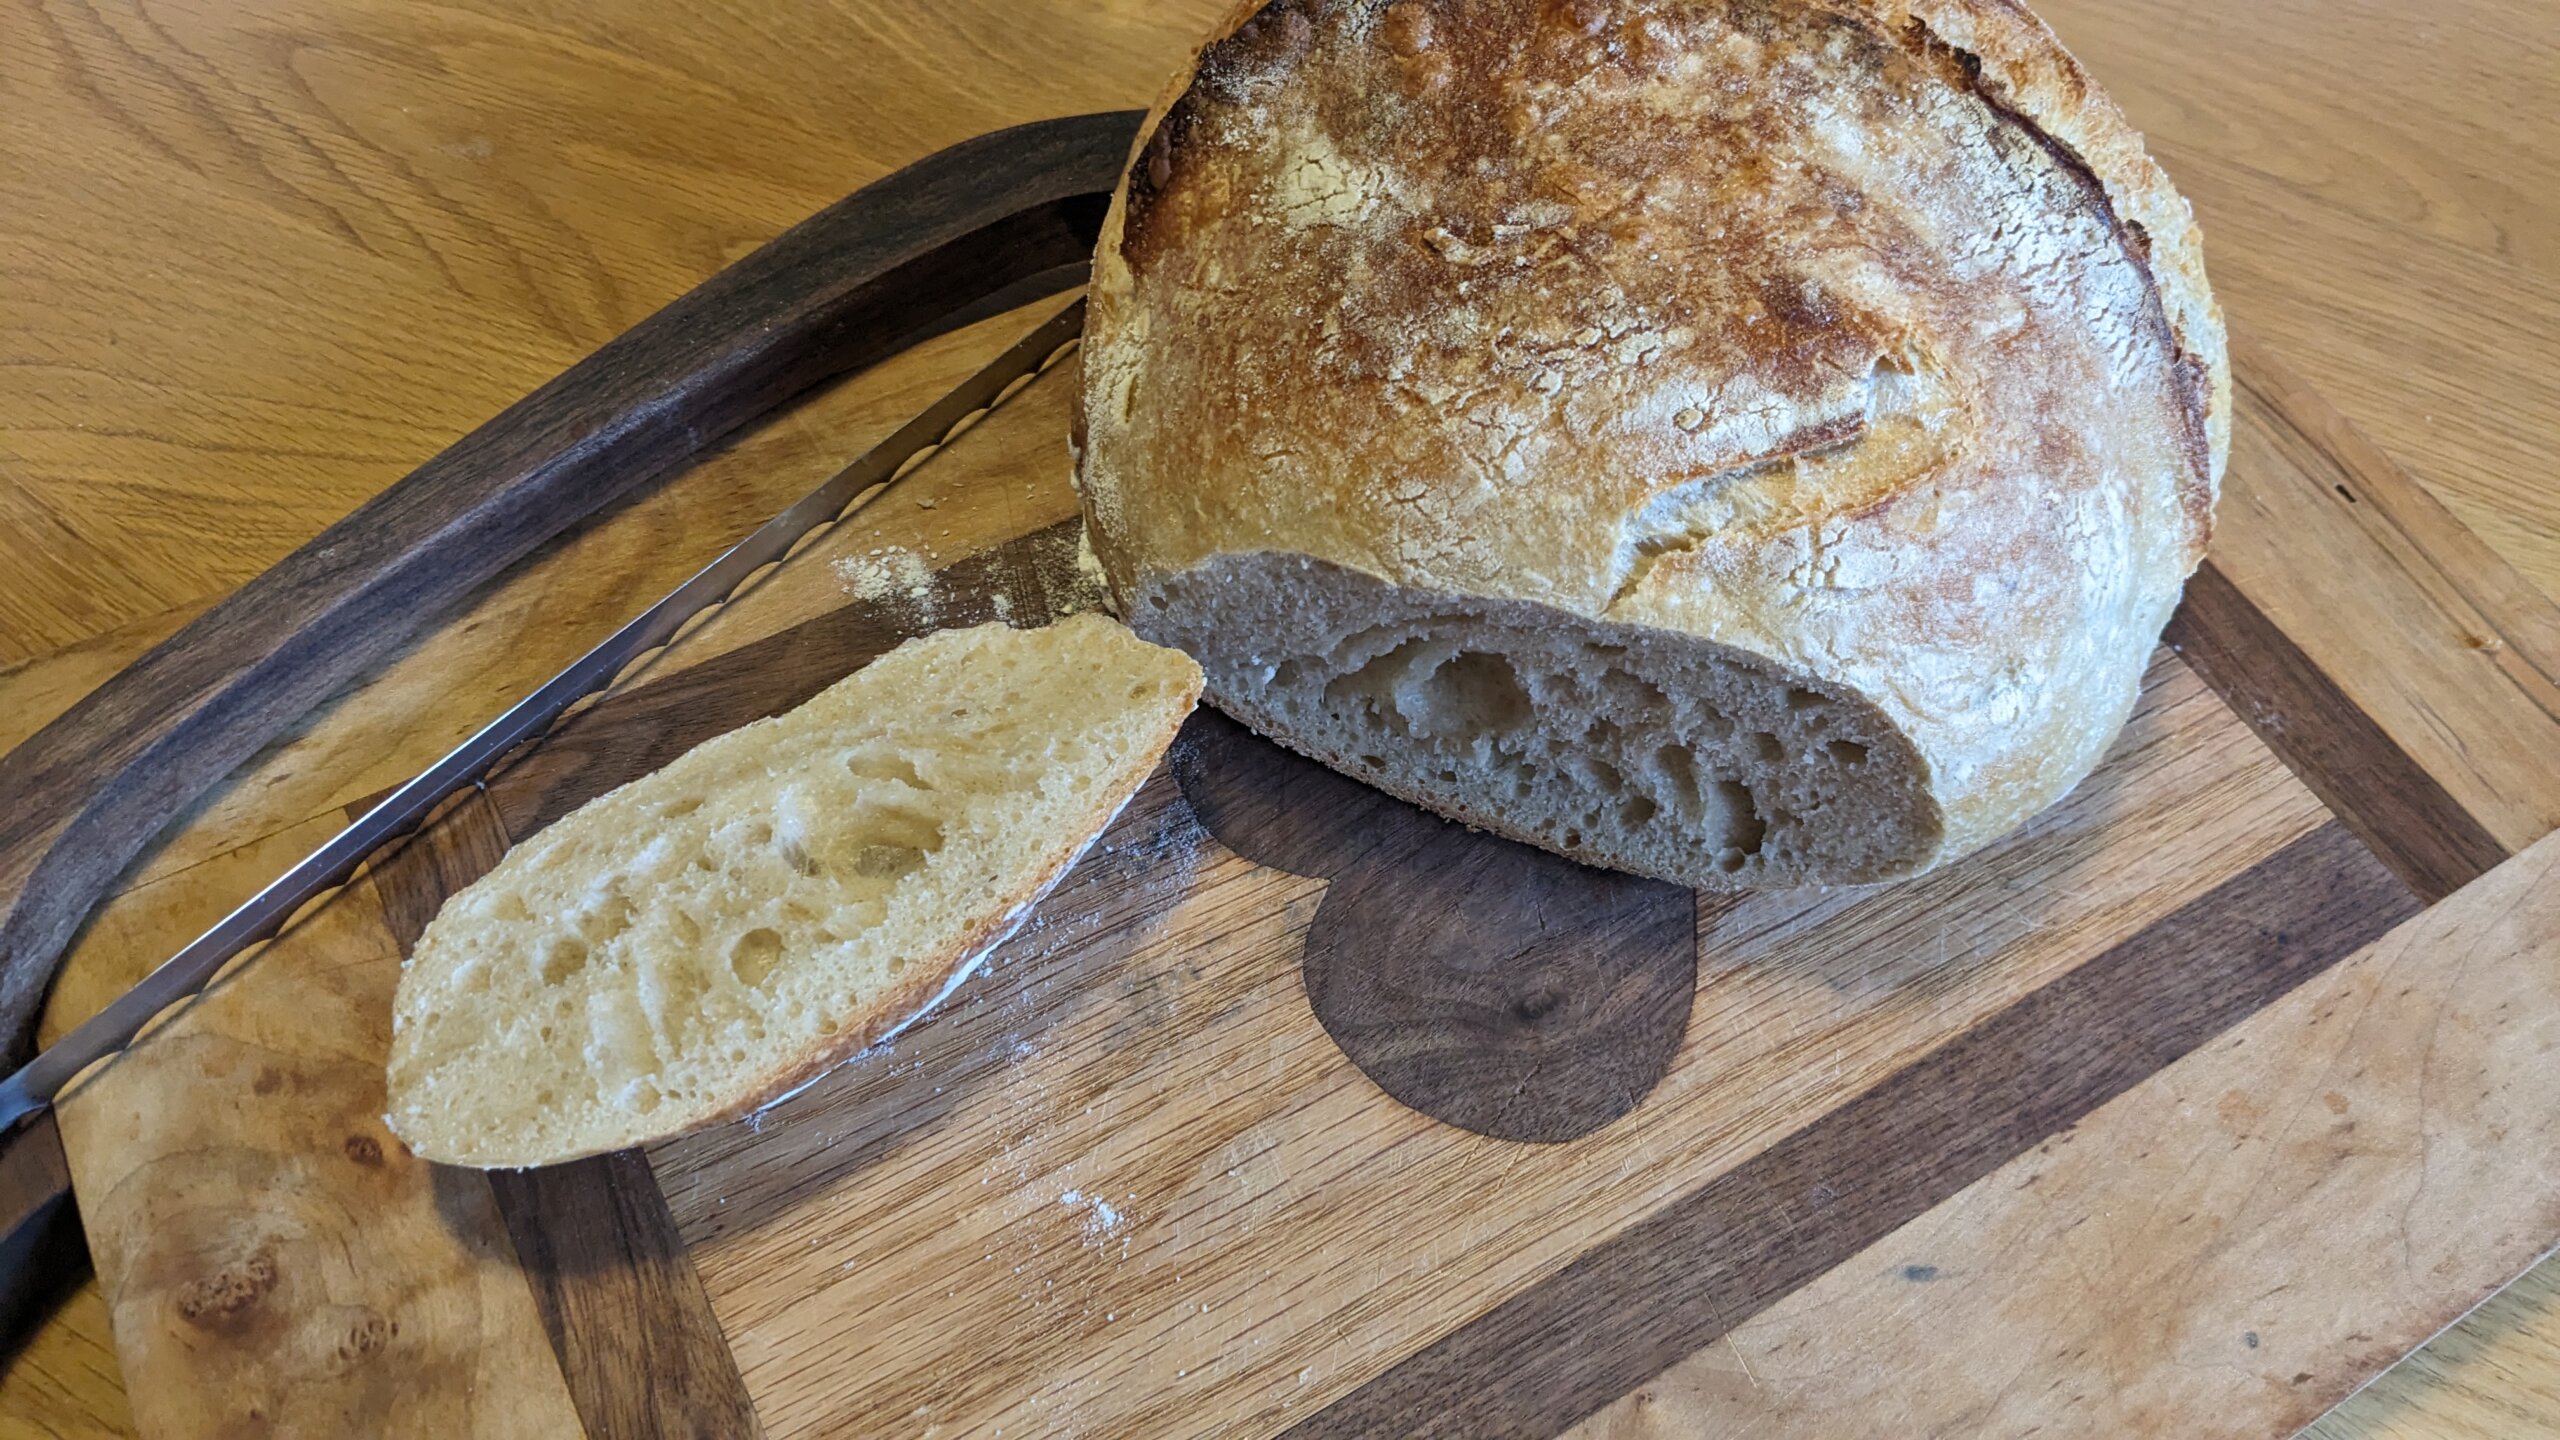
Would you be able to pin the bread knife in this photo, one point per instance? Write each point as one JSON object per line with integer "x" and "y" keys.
{"x": 31, "y": 1185}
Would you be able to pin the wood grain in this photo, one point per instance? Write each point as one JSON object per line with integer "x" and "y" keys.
{"x": 389, "y": 223}
{"x": 1277, "y": 1235}
{"x": 1488, "y": 985}
{"x": 1682, "y": 1278}
{"x": 989, "y": 486}
{"x": 2395, "y": 622}
{"x": 959, "y": 235}
{"x": 2142, "y": 1274}
{"x": 642, "y": 1352}
{"x": 2374, "y": 191}
{"x": 2392, "y": 803}
{"x": 276, "y": 1262}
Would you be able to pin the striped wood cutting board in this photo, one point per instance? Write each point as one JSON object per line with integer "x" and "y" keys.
{"x": 1294, "y": 1111}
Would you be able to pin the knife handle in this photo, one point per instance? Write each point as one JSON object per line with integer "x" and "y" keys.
{"x": 970, "y": 231}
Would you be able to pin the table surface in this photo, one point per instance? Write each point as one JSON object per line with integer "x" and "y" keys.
{"x": 264, "y": 256}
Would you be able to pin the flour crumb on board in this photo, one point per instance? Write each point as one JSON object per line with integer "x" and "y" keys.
{"x": 889, "y": 574}
{"x": 1102, "y": 1220}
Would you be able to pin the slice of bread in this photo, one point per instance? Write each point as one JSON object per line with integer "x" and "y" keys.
{"x": 704, "y": 940}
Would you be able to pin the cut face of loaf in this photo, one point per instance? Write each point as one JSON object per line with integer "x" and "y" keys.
{"x": 699, "y": 942}
{"x": 1625, "y": 746}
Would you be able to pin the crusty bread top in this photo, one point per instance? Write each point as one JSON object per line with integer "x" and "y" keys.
{"x": 1860, "y": 336}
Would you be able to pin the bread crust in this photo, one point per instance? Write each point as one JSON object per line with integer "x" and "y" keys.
{"x": 1861, "y": 336}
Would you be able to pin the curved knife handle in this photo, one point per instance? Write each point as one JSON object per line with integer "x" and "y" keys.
{"x": 973, "y": 230}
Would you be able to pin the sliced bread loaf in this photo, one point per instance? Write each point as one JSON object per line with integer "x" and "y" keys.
{"x": 1743, "y": 442}
{"x": 705, "y": 939}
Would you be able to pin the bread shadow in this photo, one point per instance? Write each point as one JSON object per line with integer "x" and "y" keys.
{"x": 1487, "y": 984}
{"x": 1065, "y": 960}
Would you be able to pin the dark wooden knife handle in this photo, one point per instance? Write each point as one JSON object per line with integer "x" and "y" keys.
{"x": 987, "y": 224}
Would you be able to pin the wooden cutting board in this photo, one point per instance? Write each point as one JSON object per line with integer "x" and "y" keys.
{"x": 2184, "y": 1111}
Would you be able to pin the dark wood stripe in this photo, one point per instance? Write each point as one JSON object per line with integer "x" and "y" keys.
{"x": 627, "y": 1313}
{"x": 457, "y": 846}
{"x": 1634, "y": 1305}
{"x": 628, "y": 1316}
{"x": 2363, "y": 776}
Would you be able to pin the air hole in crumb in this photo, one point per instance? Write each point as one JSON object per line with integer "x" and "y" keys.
{"x": 677, "y": 810}
{"x": 1848, "y": 752}
{"x": 1637, "y": 810}
{"x": 1573, "y": 839}
{"x": 1374, "y": 762}
{"x": 606, "y": 919}
{"x": 870, "y": 765}
{"x": 562, "y": 957}
{"x": 799, "y": 859}
{"x": 1771, "y": 751}
{"x": 1800, "y": 698}
{"x": 1448, "y": 777}
{"x": 1156, "y": 600}
{"x": 1475, "y": 691}
{"x": 887, "y": 862}
{"x": 896, "y": 825}
{"x": 1679, "y": 767}
{"x": 1630, "y": 692}
{"x": 753, "y": 955}
{"x": 1733, "y": 818}
{"x": 762, "y": 834}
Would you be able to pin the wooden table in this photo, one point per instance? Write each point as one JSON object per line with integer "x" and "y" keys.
{"x": 265, "y": 256}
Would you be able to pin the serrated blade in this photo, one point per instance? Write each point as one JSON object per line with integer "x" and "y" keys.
{"x": 184, "y": 974}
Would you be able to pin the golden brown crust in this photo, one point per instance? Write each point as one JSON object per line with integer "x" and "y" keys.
{"x": 1857, "y": 334}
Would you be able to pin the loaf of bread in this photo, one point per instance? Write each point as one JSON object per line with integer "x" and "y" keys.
{"x": 1745, "y": 442}
{"x": 706, "y": 939}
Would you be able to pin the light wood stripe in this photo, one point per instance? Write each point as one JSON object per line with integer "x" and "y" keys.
{"x": 1657, "y": 1292}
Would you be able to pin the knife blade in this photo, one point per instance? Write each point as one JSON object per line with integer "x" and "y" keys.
{"x": 183, "y": 975}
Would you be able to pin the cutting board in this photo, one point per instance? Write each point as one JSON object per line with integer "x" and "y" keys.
{"x": 1295, "y": 1111}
